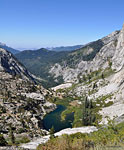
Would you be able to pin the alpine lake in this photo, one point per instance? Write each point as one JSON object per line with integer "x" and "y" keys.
{"x": 53, "y": 119}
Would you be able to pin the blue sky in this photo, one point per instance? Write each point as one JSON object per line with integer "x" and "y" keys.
{"x": 42, "y": 23}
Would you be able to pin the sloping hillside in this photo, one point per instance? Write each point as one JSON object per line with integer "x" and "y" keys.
{"x": 22, "y": 102}
{"x": 91, "y": 57}
{"x": 100, "y": 79}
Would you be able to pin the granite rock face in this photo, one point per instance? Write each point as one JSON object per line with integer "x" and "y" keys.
{"x": 107, "y": 53}
{"x": 110, "y": 57}
{"x": 117, "y": 59}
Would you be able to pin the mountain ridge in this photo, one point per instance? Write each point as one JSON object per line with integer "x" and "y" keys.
{"x": 65, "y": 48}
{"x": 62, "y": 61}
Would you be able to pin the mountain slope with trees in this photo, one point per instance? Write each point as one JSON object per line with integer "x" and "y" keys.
{"x": 54, "y": 66}
{"x": 39, "y": 62}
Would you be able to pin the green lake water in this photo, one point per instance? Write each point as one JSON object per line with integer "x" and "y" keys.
{"x": 54, "y": 119}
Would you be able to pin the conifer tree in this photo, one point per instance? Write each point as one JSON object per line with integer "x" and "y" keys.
{"x": 52, "y": 131}
{"x": 11, "y": 134}
{"x": 88, "y": 116}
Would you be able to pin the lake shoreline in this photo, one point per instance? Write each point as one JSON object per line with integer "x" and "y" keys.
{"x": 54, "y": 119}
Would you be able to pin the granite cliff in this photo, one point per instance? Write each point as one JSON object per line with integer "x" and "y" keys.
{"x": 101, "y": 78}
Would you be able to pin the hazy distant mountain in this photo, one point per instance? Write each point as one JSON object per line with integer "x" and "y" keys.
{"x": 65, "y": 48}
{"x": 57, "y": 49}
{"x": 24, "y": 49}
{"x": 12, "y": 50}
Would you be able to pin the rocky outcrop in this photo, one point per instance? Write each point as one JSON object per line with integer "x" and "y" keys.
{"x": 22, "y": 105}
{"x": 22, "y": 102}
{"x": 62, "y": 86}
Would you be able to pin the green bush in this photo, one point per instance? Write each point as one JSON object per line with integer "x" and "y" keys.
{"x": 23, "y": 139}
{"x": 2, "y": 141}
{"x": 103, "y": 139}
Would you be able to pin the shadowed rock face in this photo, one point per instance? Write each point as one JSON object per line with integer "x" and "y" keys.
{"x": 10, "y": 64}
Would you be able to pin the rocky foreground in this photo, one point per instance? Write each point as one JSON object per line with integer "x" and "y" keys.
{"x": 22, "y": 102}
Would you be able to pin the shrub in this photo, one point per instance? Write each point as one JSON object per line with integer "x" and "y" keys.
{"x": 2, "y": 141}
{"x": 23, "y": 139}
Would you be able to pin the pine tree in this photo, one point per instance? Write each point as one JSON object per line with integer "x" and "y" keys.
{"x": 89, "y": 78}
{"x": 102, "y": 76}
{"x": 90, "y": 104}
{"x": 84, "y": 77}
{"x": 11, "y": 135}
{"x": 52, "y": 131}
{"x": 2, "y": 141}
{"x": 86, "y": 103}
{"x": 94, "y": 85}
{"x": 88, "y": 117}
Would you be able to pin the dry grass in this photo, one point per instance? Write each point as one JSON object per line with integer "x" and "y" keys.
{"x": 63, "y": 143}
